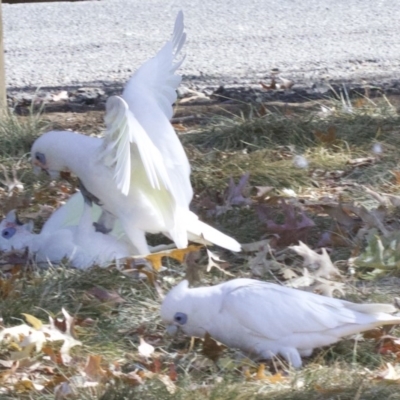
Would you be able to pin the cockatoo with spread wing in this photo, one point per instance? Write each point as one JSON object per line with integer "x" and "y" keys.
{"x": 139, "y": 171}
{"x": 264, "y": 319}
{"x": 69, "y": 233}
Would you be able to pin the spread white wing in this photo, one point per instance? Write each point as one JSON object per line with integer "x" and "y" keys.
{"x": 150, "y": 94}
{"x": 275, "y": 311}
{"x": 127, "y": 147}
{"x": 136, "y": 162}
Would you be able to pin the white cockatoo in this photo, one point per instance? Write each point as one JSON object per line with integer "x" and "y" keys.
{"x": 138, "y": 171}
{"x": 264, "y": 319}
{"x": 68, "y": 233}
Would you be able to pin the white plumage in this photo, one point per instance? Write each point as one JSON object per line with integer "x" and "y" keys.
{"x": 139, "y": 170}
{"x": 264, "y": 319}
{"x": 69, "y": 233}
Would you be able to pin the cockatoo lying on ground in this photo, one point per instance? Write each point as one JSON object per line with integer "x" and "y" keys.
{"x": 139, "y": 171}
{"x": 69, "y": 233}
{"x": 264, "y": 319}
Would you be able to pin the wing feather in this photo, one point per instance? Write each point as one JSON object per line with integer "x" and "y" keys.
{"x": 125, "y": 139}
{"x": 280, "y": 311}
{"x": 150, "y": 94}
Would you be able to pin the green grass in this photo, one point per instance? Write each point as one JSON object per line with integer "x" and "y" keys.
{"x": 264, "y": 146}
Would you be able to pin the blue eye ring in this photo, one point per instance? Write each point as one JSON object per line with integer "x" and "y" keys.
{"x": 8, "y": 233}
{"x": 40, "y": 157}
{"x": 180, "y": 318}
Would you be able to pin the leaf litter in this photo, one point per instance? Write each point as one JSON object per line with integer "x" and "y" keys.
{"x": 310, "y": 237}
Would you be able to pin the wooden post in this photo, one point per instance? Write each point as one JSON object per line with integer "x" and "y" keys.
{"x": 3, "y": 95}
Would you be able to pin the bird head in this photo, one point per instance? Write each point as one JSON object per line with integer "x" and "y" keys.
{"x": 14, "y": 234}
{"x": 45, "y": 155}
{"x": 178, "y": 311}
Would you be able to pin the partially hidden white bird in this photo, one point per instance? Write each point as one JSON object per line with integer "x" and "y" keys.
{"x": 69, "y": 233}
{"x": 264, "y": 319}
{"x": 138, "y": 171}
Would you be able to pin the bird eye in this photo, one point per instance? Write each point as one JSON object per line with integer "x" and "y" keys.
{"x": 180, "y": 318}
{"x": 40, "y": 157}
{"x": 8, "y": 232}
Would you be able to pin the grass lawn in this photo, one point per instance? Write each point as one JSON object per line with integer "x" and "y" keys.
{"x": 326, "y": 160}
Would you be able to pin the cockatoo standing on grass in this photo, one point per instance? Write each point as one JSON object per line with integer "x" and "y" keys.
{"x": 139, "y": 171}
{"x": 264, "y": 319}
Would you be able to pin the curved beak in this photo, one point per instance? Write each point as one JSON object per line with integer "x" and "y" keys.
{"x": 172, "y": 330}
{"x": 36, "y": 169}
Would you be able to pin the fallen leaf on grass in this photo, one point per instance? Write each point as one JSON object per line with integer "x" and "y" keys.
{"x": 36, "y": 323}
{"x": 339, "y": 212}
{"x": 372, "y": 218}
{"x": 328, "y": 137}
{"x": 155, "y": 259}
{"x": 381, "y": 253}
{"x": 262, "y": 191}
{"x": 234, "y": 195}
{"x": 390, "y": 374}
{"x": 311, "y": 283}
{"x": 93, "y": 369}
{"x": 169, "y": 384}
{"x": 213, "y": 260}
{"x": 361, "y": 162}
{"x": 327, "y": 288}
{"x": 211, "y": 348}
{"x": 27, "y": 340}
{"x": 145, "y": 349}
{"x": 296, "y": 223}
{"x": 106, "y": 295}
{"x": 261, "y": 376}
{"x": 389, "y": 345}
{"x": 396, "y": 175}
{"x": 320, "y": 264}
{"x": 173, "y": 375}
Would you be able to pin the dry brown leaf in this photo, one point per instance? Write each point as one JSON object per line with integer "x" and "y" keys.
{"x": 328, "y": 137}
{"x": 179, "y": 127}
{"x": 360, "y": 102}
{"x": 396, "y": 175}
{"x": 93, "y": 369}
{"x": 211, "y": 348}
{"x": 261, "y": 376}
{"x": 177, "y": 254}
{"x": 23, "y": 386}
{"x": 389, "y": 345}
{"x": 173, "y": 375}
{"x": 295, "y": 227}
{"x": 106, "y": 296}
{"x": 55, "y": 357}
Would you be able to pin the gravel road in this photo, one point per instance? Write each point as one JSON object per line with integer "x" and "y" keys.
{"x": 231, "y": 41}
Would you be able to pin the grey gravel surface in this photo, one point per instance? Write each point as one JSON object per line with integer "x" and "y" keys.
{"x": 229, "y": 42}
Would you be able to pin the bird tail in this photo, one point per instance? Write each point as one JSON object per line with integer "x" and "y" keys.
{"x": 200, "y": 232}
